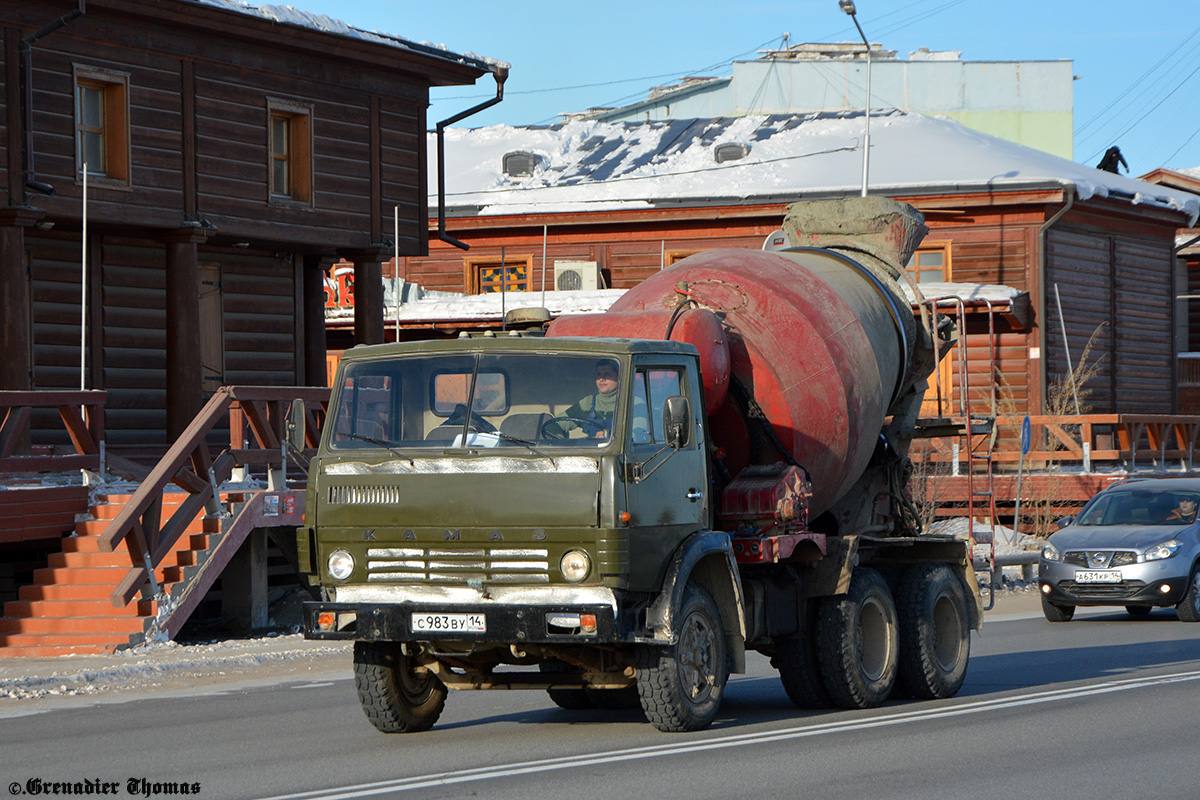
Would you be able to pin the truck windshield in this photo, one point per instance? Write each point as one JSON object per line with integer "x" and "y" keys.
{"x": 478, "y": 401}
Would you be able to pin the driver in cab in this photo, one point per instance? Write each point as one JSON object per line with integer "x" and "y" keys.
{"x": 1184, "y": 513}
{"x": 596, "y": 411}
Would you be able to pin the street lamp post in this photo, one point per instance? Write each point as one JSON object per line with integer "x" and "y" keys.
{"x": 848, "y": 7}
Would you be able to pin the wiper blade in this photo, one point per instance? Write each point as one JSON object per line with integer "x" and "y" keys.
{"x": 510, "y": 438}
{"x": 391, "y": 446}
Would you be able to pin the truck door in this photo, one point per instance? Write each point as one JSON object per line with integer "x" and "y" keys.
{"x": 673, "y": 500}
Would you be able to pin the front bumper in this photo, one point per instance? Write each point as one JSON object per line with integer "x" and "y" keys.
{"x": 507, "y": 623}
{"x": 1156, "y": 583}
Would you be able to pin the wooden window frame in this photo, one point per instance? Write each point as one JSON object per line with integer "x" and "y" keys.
{"x": 934, "y": 246}
{"x": 114, "y": 128}
{"x": 472, "y": 267}
{"x": 299, "y": 155}
{"x": 673, "y": 256}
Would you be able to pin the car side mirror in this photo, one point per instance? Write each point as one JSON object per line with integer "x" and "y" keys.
{"x": 295, "y": 423}
{"x": 677, "y": 418}
{"x": 1064, "y": 522}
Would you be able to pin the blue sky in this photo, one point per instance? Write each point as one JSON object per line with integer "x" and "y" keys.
{"x": 1138, "y": 64}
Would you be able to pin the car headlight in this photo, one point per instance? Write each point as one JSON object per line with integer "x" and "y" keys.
{"x": 340, "y": 564}
{"x": 1164, "y": 550}
{"x": 1050, "y": 553}
{"x": 575, "y": 565}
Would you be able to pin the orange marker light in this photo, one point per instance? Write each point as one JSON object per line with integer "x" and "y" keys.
{"x": 625, "y": 516}
{"x": 326, "y": 620}
{"x": 587, "y": 623}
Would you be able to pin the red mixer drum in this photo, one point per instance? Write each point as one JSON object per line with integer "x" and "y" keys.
{"x": 815, "y": 340}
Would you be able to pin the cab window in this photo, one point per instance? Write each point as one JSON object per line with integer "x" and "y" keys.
{"x": 651, "y": 388}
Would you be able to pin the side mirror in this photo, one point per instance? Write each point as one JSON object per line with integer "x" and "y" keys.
{"x": 296, "y": 421}
{"x": 1064, "y": 522}
{"x": 677, "y": 421}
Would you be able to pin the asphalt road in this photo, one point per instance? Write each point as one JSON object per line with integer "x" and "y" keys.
{"x": 1103, "y": 706}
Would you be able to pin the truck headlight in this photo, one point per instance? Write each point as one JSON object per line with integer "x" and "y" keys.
{"x": 1050, "y": 553}
{"x": 341, "y": 564}
{"x": 1164, "y": 550}
{"x": 575, "y": 565}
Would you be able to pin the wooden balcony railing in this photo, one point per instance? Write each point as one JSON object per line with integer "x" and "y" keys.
{"x": 82, "y": 414}
{"x": 256, "y": 425}
{"x": 1131, "y": 441}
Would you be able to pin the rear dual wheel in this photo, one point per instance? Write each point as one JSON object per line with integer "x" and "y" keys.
{"x": 935, "y": 632}
{"x": 858, "y": 642}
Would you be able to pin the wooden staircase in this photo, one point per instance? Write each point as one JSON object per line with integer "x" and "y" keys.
{"x": 67, "y": 609}
{"x": 145, "y": 561}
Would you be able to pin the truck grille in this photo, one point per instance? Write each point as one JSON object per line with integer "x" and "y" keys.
{"x": 382, "y": 494}
{"x": 440, "y": 565}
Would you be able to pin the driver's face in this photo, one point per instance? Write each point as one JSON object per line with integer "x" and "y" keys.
{"x": 1187, "y": 506}
{"x": 606, "y": 380}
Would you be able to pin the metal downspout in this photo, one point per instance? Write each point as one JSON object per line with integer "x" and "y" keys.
{"x": 26, "y": 68}
{"x": 1041, "y": 295}
{"x": 501, "y": 75}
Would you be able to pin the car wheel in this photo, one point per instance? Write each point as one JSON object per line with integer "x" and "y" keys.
{"x": 1138, "y": 611}
{"x": 1055, "y": 612}
{"x": 1189, "y": 607}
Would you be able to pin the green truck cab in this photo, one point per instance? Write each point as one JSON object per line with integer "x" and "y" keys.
{"x": 496, "y": 511}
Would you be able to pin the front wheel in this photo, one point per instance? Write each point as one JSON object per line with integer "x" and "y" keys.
{"x": 1055, "y": 612}
{"x": 395, "y": 698}
{"x": 680, "y": 686}
{"x": 935, "y": 635}
{"x": 857, "y": 642}
{"x": 1188, "y": 609}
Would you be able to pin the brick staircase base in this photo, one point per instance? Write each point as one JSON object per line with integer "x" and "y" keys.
{"x": 67, "y": 608}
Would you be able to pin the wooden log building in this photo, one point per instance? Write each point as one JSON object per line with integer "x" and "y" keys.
{"x": 230, "y": 152}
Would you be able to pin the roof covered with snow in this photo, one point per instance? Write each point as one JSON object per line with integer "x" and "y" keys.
{"x": 288, "y": 15}
{"x": 587, "y": 165}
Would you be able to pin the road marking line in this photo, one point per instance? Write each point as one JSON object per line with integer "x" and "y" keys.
{"x": 735, "y": 740}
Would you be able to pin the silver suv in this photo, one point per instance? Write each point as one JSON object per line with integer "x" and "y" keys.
{"x": 1136, "y": 544}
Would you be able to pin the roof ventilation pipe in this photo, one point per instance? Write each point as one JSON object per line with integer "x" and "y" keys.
{"x": 501, "y": 75}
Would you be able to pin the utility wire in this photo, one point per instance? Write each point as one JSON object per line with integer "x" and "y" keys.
{"x": 1143, "y": 77}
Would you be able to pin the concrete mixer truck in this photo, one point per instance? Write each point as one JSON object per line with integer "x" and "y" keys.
{"x": 616, "y": 509}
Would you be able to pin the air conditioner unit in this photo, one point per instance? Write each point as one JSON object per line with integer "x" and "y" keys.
{"x": 576, "y": 275}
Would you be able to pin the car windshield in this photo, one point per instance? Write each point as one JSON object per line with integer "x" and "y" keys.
{"x": 1141, "y": 508}
{"x": 543, "y": 400}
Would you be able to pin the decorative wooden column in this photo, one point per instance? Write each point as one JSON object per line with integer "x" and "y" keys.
{"x": 184, "y": 389}
{"x": 368, "y": 294}
{"x": 314, "y": 319}
{"x": 16, "y": 339}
